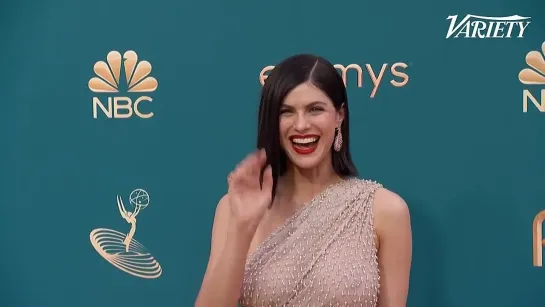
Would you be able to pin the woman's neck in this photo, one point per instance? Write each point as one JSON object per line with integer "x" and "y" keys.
{"x": 299, "y": 186}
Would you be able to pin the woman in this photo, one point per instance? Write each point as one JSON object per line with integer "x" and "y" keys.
{"x": 296, "y": 227}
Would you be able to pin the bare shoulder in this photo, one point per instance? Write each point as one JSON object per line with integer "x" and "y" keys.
{"x": 389, "y": 204}
{"x": 394, "y": 245}
{"x": 391, "y": 213}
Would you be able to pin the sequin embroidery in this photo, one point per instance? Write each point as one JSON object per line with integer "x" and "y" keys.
{"x": 324, "y": 255}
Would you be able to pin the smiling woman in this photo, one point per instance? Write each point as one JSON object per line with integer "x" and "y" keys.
{"x": 327, "y": 238}
{"x": 307, "y": 107}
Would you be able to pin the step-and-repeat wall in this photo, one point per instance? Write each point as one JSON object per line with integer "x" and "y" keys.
{"x": 123, "y": 119}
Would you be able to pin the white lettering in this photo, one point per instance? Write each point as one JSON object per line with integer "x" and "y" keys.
{"x": 540, "y": 105}
{"x": 117, "y": 104}
{"x": 473, "y": 26}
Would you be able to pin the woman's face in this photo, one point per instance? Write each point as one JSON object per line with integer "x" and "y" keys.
{"x": 307, "y": 126}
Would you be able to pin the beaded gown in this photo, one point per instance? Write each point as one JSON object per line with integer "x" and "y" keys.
{"x": 323, "y": 255}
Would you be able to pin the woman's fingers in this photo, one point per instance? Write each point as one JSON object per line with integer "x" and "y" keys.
{"x": 248, "y": 170}
{"x": 251, "y": 166}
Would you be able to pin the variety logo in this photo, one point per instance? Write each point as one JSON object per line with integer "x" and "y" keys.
{"x": 474, "y": 26}
{"x": 375, "y": 76}
{"x": 122, "y": 250}
{"x": 122, "y": 74}
{"x": 534, "y": 75}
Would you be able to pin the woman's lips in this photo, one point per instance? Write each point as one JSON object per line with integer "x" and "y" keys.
{"x": 304, "y": 144}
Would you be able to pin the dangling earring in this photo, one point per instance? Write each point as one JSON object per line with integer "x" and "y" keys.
{"x": 338, "y": 140}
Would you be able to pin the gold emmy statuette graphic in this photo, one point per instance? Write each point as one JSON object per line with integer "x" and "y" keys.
{"x": 136, "y": 76}
{"x": 535, "y": 60}
{"x": 537, "y": 232}
{"x": 120, "y": 249}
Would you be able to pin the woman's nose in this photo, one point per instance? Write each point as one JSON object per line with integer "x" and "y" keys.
{"x": 301, "y": 122}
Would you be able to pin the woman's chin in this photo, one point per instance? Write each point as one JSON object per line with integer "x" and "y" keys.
{"x": 306, "y": 161}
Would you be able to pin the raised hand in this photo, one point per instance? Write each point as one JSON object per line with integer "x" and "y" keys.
{"x": 247, "y": 198}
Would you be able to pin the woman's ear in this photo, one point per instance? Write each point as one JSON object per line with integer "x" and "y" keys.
{"x": 340, "y": 115}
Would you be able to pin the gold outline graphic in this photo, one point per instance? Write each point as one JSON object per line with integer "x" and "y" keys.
{"x": 535, "y": 74}
{"x": 109, "y": 74}
{"x": 537, "y": 236}
{"x": 122, "y": 250}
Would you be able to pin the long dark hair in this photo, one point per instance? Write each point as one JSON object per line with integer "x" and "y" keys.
{"x": 287, "y": 75}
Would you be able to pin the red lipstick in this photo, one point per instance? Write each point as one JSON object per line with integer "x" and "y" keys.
{"x": 304, "y": 145}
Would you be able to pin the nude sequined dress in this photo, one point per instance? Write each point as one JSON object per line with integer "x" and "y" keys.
{"x": 324, "y": 255}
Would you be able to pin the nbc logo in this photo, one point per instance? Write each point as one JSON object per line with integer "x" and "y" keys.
{"x": 534, "y": 76}
{"x": 109, "y": 77}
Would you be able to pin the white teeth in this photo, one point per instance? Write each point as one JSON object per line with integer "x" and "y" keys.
{"x": 305, "y": 140}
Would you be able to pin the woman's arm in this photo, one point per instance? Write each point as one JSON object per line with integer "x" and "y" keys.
{"x": 225, "y": 271}
{"x": 393, "y": 227}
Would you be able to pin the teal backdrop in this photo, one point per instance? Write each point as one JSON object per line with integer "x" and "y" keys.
{"x": 454, "y": 141}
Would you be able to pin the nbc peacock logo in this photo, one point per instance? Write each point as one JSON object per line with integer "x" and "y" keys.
{"x": 122, "y": 74}
{"x": 534, "y": 75}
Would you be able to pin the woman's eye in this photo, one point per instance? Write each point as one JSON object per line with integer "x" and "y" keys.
{"x": 316, "y": 109}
